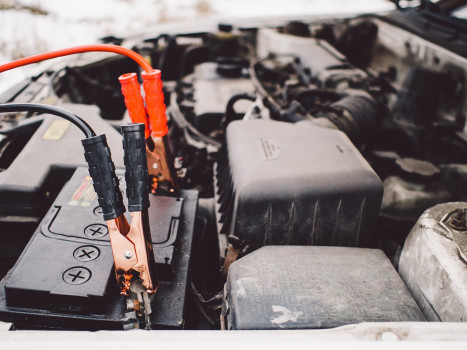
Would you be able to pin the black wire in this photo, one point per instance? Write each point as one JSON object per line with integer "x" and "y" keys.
{"x": 230, "y": 113}
{"x": 268, "y": 100}
{"x": 40, "y": 108}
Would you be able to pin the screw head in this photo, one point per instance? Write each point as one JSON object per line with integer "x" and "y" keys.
{"x": 127, "y": 254}
{"x": 154, "y": 165}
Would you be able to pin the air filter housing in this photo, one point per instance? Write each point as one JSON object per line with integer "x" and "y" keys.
{"x": 295, "y": 184}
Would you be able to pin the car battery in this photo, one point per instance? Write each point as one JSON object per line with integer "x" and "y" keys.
{"x": 38, "y": 155}
{"x": 65, "y": 277}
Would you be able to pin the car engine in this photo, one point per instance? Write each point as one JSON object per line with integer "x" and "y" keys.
{"x": 313, "y": 175}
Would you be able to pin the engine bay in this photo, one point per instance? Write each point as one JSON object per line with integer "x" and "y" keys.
{"x": 315, "y": 177}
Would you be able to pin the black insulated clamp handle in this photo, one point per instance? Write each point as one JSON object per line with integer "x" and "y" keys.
{"x": 136, "y": 167}
{"x": 102, "y": 171}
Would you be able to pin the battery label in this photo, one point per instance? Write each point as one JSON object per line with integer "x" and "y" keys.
{"x": 84, "y": 194}
{"x": 56, "y": 130}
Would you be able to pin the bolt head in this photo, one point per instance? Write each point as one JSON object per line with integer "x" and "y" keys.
{"x": 154, "y": 165}
{"x": 127, "y": 254}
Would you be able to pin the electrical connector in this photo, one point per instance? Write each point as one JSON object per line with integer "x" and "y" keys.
{"x": 152, "y": 84}
{"x": 134, "y": 101}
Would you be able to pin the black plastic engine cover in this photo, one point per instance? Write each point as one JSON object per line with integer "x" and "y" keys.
{"x": 315, "y": 287}
{"x": 295, "y": 184}
{"x": 65, "y": 276}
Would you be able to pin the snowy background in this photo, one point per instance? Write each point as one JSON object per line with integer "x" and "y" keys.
{"x": 29, "y": 27}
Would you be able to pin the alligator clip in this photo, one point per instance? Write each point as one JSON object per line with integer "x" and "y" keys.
{"x": 131, "y": 243}
{"x": 160, "y": 159}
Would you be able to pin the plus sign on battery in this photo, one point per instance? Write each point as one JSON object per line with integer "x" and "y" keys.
{"x": 77, "y": 275}
{"x": 96, "y": 231}
{"x": 86, "y": 253}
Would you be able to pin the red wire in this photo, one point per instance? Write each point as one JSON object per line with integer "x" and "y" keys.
{"x": 78, "y": 49}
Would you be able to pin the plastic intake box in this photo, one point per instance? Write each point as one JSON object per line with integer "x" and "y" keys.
{"x": 295, "y": 184}
{"x": 297, "y": 287}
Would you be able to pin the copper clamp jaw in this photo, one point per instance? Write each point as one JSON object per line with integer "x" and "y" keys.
{"x": 160, "y": 161}
{"x": 132, "y": 252}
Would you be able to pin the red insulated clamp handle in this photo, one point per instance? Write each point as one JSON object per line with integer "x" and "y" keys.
{"x": 133, "y": 100}
{"x": 152, "y": 84}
